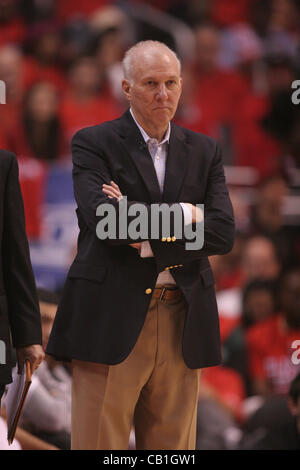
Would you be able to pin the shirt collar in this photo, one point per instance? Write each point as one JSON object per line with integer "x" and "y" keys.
{"x": 146, "y": 137}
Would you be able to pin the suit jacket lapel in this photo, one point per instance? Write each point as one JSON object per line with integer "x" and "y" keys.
{"x": 138, "y": 151}
{"x": 176, "y": 165}
{"x": 176, "y": 159}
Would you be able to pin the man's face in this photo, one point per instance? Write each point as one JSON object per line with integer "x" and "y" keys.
{"x": 207, "y": 48}
{"x": 155, "y": 88}
{"x": 259, "y": 260}
{"x": 259, "y": 305}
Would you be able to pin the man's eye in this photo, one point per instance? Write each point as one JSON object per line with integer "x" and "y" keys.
{"x": 171, "y": 82}
{"x": 150, "y": 83}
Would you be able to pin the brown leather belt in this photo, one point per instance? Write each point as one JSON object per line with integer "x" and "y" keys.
{"x": 166, "y": 293}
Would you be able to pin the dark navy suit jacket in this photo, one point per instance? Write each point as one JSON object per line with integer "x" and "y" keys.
{"x": 104, "y": 301}
{"x": 19, "y": 309}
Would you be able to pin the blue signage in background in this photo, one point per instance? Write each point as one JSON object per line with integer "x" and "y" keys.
{"x": 53, "y": 253}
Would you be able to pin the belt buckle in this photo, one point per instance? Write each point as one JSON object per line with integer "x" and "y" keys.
{"x": 162, "y": 293}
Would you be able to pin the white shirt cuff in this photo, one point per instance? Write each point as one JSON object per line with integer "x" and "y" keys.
{"x": 146, "y": 250}
{"x": 187, "y": 214}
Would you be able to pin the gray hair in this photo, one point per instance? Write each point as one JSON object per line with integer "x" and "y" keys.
{"x": 131, "y": 53}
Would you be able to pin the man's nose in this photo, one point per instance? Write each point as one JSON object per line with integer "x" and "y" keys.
{"x": 162, "y": 92}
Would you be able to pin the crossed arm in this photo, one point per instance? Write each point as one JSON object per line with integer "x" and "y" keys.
{"x": 93, "y": 186}
{"x": 113, "y": 191}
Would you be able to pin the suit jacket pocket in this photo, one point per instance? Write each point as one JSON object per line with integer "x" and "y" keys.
{"x": 81, "y": 270}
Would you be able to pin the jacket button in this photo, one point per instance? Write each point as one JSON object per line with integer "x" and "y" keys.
{"x": 163, "y": 239}
{"x": 148, "y": 291}
{"x": 169, "y": 239}
{"x": 173, "y": 239}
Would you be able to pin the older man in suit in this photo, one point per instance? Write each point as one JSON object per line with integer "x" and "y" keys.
{"x": 19, "y": 310}
{"x": 138, "y": 315}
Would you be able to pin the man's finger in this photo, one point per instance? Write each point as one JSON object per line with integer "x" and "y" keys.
{"x": 135, "y": 245}
{"x": 111, "y": 188}
{"x": 112, "y": 192}
{"x": 115, "y": 185}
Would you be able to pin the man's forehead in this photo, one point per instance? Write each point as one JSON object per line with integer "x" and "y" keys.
{"x": 158, "y": 75}
{"x": 156, "y": 60}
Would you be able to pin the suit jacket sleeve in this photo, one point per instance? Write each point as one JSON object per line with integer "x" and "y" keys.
{"x": 23, "y": 308}
{"x": 219, "y": 227}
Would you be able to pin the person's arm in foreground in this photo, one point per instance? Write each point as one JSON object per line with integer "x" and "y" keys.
{"x": 23, "y": 310}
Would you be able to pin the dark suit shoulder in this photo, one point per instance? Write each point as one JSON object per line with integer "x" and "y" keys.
{"x": 197, "y": 140}
{"x": 7, "y": 159}
{"x": 196, "y": 137}
{"x": 109, "y": 129}
{"x": 95, "y": 132}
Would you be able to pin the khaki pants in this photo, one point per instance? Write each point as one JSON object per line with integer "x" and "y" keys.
{"x": 152, "y": 387}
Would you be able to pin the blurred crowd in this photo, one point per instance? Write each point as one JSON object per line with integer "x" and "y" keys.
{"x": 61, "y": 64}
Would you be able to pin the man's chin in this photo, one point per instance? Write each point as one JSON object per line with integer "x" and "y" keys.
{"x": 163, "y": 116}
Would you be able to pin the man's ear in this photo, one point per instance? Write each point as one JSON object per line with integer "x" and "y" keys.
{"x": 126, "y": 89}
{"x": 180, "y": 83}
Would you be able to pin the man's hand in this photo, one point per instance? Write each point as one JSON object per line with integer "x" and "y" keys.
{"x": 34, "y": 353}
{"x": 137, "y": 246}
{"x": 197, "y": 213}
{"x": 112, "y": 190}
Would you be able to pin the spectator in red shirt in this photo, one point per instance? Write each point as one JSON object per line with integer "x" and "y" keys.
{"x": 227, "y": 268}
{"x": 259, "y": 304}
{"x": 221, "y": 393}
{"x": 38, "y": 133}
{"x": 225, "y": 386}
{"x": 258, "y": 133}
{"x": 259, "y": 259}
{"x": 217, "y": 93}
{"x": 272, "y": 344}
{"x": 66, "y": 9}
{"x": 12, "y": 28}
{"x": 37, "y": 139}
{"x": 76, "y": 36}
{"x": 107, "y": 46}
{"x": 267, "y": 218}
{"x": 227, "y": 12}
{"x": 11, "y": 72}
{"x": 43, "y": 61}
{"x": 83, "y": 104}
{"x": 33, "y": 183}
